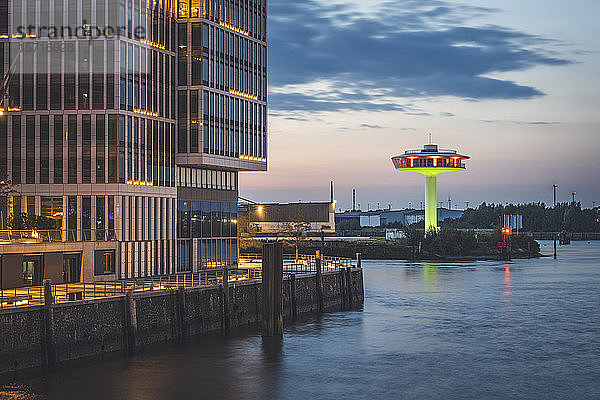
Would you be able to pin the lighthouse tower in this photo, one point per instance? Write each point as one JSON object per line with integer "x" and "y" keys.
{"x": 430, "y": 161}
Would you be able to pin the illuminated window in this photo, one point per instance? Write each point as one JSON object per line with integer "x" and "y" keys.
{"x": 183, "y": 9}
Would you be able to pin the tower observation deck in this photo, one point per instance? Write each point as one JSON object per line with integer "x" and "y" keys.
{"x": 430, "y": 161}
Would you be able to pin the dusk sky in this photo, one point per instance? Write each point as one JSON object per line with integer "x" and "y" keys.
{"x": 513, "y": 84}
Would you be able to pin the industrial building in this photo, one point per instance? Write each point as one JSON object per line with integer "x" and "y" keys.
{"x": 276, "y": 218}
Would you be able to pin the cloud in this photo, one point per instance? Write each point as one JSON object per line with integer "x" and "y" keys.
{"x": 497, "y": 121}
{"x": 369, "y": 126}
{"x": 399, "y": 49}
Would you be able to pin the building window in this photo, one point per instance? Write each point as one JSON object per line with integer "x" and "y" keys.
{"x": 86, "y": 151}
{"x": 100, "y": 219}
{"x": 44, "y": 150}
{"x": 72, "y": 218}
{"x": 86, "y": 218}
{"x": 58, "y": 149}
{"x": 16, "y": 149}
{"x": 72, "y": 149}
{"x": 104, "y": 262}
{"x": 30, "y": 149}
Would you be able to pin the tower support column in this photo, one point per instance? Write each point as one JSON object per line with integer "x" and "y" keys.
{"x": 431, "y": 221}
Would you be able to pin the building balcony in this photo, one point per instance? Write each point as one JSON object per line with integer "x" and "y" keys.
{"x": 52, "y": 236}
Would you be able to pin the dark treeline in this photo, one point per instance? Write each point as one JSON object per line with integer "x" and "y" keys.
{"x": 537, "y": 217}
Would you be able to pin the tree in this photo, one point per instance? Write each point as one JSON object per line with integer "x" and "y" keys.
{"x": 296, "y": 227}
{"x": 6, "y": 191}
{"x": 26, "y": 222}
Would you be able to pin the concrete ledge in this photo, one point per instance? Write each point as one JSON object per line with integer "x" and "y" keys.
{"x": 93, "y": 328}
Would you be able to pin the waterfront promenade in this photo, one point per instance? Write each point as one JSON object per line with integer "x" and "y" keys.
{"x": 249, "y": 268}
{"x": 124, "y": 316}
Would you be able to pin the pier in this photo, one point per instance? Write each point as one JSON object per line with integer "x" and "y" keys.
{"x": 122, "y": 316}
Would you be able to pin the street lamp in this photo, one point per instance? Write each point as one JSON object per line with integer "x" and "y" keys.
{"x": 554, "y": 187}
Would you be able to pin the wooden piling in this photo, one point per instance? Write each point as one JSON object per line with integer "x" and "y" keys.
{"x": 181, "y": 318}
{"x": 226, "y": 313}
{"x": 293, "y": 298}
{"x": 48, "y": 343}
{"x": 348, "y": 273}
{"x": 343, "y": 289}
{"x": 130, "y": 322}
{"x": 319, "y": 281}
{"x": 272, "y": 285}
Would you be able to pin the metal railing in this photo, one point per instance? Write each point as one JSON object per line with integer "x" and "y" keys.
{"x": 303, "y": 264}
{"x": 249, "y": 268}
{"x": 65, "y": 292}
{"x": 8, "y": 236}
{"x": 438, "y": 151}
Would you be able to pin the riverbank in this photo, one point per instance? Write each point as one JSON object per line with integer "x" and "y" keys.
{"x": 34, "y": 338}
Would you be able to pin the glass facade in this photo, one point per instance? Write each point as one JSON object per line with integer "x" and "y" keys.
{"x": 101, "y": 100}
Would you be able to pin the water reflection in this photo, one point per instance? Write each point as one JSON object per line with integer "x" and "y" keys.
{"x": 430, "y": 276}
{"x": 507, "y": 285}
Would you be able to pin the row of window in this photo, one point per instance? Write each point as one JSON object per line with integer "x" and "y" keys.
{"x": 231, "y": 126}
{"x": 247, "y": 16}
{"x": 43, "y": 79}
{"x": 146, "y": 80}
{"x": 146, "y": 152}
{"x": 94, "y": 214}
{"x": 205, "y": 219}
{"x": 136, "y": 19}
{"x": 156, "y": 257}
{"x": 57, "y": 160}
{"x": 444, "y": 162}
{"x": 195, "y": 177}
{"x": 221, "y": 59}
{"x": 147, "y": 218}
{"x": 212, "y": 253}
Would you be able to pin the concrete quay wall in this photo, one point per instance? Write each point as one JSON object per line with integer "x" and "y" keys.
{"x": 40, "y": 338}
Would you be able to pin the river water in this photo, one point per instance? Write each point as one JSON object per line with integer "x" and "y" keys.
{"x": 485, "y": 330}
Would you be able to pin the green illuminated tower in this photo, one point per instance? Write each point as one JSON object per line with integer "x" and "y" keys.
{"x": 430, "y": 161}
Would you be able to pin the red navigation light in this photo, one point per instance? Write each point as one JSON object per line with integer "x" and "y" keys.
{"x": 506, "y": 231}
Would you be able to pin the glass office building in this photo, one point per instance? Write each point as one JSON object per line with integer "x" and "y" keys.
{"x": 124, "y": 125}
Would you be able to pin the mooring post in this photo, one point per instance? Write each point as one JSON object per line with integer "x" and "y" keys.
{"x": 319, "y": 278}
{"x": 293, "y": 299}
{"x": 48, "y": 344}
{"x": 226, "y": 316}
{"x": 272, "y": 285}
{"x": 181, "y": 318}
{"x": 343, "y": 288}
{"x": 349, "y": 286}
{"x": 130, "y": 321}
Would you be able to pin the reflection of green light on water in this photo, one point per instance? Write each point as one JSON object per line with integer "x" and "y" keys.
{"x": 430, "y": 275}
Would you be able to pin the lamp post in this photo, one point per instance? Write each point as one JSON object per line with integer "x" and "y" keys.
{"x": 554, "y": 187}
